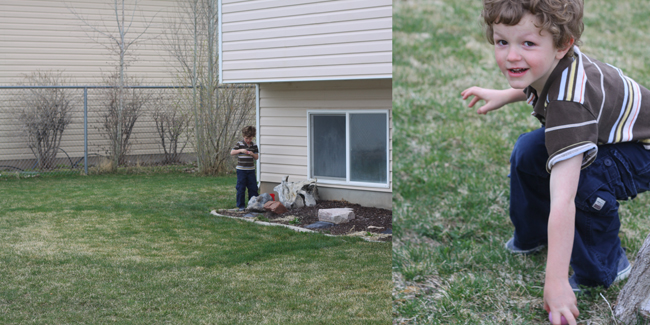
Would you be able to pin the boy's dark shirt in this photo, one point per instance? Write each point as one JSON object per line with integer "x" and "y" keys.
{"x": 576, "y": 117}
{"x": 244, "y": 161}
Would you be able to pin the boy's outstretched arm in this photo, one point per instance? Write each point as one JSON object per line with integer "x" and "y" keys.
{"x": 494, "y": 99}
{"x": 559, "y": 298}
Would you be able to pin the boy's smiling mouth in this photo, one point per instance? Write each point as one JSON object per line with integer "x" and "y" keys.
{"x": 518, "y": 70}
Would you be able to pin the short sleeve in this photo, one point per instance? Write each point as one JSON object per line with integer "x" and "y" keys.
{"x": 571, "y": 129}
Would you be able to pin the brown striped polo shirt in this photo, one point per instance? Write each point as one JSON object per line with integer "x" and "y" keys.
{"x": 244, "y": 161}
{"x": 586, "y": 103}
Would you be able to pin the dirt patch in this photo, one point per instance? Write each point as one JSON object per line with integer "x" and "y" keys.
{"x": 368, "y": 222}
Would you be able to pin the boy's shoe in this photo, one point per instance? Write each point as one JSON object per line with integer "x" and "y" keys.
{"x": 623, "y": 271}
{"x": 575, "y": 286}
{"x": 242, "y": 209}
{"x": 510, "y": 246}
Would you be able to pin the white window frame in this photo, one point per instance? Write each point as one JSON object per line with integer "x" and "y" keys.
{"x": 347, "y": 180}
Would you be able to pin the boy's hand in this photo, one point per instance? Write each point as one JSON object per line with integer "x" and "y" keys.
{"x": 559, "y": 300}
{"x": 494, "y": 99}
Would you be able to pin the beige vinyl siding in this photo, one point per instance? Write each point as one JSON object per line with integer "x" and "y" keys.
{"x": 306, "y": 40}
{"x": 46, "y": 35}
{"x": 283, "y": 122}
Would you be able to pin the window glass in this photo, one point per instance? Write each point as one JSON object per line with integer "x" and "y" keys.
{"x": 328, "y": 146}
{"x": 368, "y": 151}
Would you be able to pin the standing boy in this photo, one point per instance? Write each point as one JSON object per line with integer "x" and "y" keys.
{"x": 566, "y": 177}
{"x": 247, "y": 153}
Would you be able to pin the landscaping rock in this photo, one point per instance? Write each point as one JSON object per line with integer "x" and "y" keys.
{"x": 320, "y": 225}
{"x": 337, "y": 216}
{"x": 387, "y": 232}
{"x": 275, "y": 207}
{"x": 256, "y": 203}
{"x": 298, "y": 194}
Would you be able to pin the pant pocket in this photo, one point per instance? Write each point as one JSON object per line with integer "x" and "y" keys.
{"x": 600, "y": 187}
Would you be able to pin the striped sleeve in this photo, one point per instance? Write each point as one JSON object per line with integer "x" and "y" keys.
{"x": 571, "y": 129}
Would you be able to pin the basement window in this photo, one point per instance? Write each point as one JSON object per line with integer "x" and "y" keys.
{"x": 349, "y": 147}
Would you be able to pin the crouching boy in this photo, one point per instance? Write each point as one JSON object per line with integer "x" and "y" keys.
{"x": 591, "y": 150}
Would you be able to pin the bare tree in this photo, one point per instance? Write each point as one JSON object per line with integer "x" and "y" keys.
{"x": 121, "y": 42}
{"x": 220, "y": 112}
{"x": 633, "y": 305}
{"x": 117, "y": 124}
{"x": 45, "y": 114}
{"x": 172, "y": 124}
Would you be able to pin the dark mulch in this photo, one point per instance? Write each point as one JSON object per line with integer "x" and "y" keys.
{"x": 380, "y": 219}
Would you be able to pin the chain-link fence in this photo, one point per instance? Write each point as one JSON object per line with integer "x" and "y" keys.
{"x": 69, "y": 129}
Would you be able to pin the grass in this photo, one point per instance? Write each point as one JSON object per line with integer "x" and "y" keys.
{"x": 450, "y": 172}
{"x": 142, "y": 248}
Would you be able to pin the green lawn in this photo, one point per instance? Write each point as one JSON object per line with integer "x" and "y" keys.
{"x": 143, "y": 249}
{"x": 451, "y": 164}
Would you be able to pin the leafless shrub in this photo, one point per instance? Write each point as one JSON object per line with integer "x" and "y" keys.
{"x": 117, "y": 124}
{"x": 172, "y": 124}
{"x": 45, "y": 114}
{"x": 233, "y": 111}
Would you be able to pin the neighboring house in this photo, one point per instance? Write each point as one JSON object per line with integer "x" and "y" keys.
{"x": 323, "y": 71}
{"x": 45, "y": 35}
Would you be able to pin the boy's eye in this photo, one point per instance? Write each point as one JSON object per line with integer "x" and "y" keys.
{"x": 501, "y": 42}
{"x": 528, "y": 43}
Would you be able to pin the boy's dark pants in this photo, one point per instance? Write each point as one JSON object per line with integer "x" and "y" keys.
{"x": 619, "y": 172}
{"x": 245, "y": 179}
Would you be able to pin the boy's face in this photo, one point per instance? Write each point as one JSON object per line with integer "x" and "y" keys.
{"x": 525, "y": 56}
{"x": 248, "y": 140}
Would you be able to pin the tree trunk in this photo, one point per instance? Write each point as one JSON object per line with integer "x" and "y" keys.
{"x": 634, "y": 299}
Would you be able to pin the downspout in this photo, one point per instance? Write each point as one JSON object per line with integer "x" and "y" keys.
{"x": 257, "y": 127}
{"x": 220, "y": 49}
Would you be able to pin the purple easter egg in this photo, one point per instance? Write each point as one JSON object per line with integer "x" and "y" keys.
{"x": 563, "y": 320}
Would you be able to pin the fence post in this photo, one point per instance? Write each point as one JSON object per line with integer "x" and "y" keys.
{"x": 86, "y": 130}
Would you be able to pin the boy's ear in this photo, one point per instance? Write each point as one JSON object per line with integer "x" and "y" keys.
{"x": 562, "y": 52}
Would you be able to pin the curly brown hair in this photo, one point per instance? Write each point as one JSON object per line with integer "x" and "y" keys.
{"x": 562, "y": 18}
{"x": 249, "y": 131}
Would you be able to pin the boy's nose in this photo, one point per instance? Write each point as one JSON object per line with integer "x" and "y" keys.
{"x": 513, "y": 55}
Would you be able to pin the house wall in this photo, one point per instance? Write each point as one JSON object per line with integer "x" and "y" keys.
{"x": 46, "y": 35}
{"x": 292, "y": 40}
{"x": 282, "y": 135}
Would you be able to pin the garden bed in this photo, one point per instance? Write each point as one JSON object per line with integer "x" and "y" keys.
{"x": 369, "y": 222}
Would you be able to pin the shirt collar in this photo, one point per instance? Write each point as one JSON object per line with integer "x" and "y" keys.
{"x": 564, "y": 63}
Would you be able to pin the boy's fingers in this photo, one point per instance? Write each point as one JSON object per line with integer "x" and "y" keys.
{"x": 570, "y": 319}
{"x": 473, "y": 101}
{"x": 575, "y": 311}
{"x": 483, "y": 109}
{"x": 468, "y": 92}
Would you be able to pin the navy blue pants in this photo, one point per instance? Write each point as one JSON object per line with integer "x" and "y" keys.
{"x": 246, "y": 179}
{"x": 619, "y": 172}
